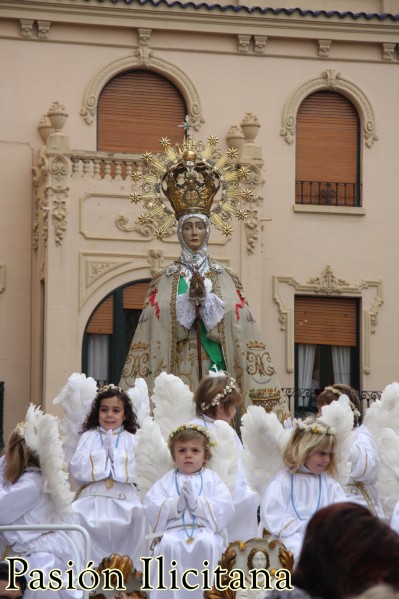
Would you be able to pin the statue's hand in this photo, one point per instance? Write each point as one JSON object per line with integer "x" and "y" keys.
{"x": 197, "y": 287}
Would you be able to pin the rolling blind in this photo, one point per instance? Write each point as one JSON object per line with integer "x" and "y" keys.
{"x": 325, "y": 321}
{"x": 102, "y": 319}
{"x": 136, "y": 109}
{"x": 327, "y": 139}
{"x": 133, "y": 296}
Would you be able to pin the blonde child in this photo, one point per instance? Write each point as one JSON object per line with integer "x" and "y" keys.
{"x": 362, "y": 485}
{"x": 189, "y": 507}
{"x": 304, "y": 486}
{"x": 219, "y": 398}
{"x": 34, "y": 490}
{"x": 108, "y": 506}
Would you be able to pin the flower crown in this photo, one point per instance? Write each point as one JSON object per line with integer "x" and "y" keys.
{"x": 110, "y": 387}
{"x": 192, "y": 427}
{"x": 314, "y": 427}
{"x": 354, "y": 409}
{"x": 231, "y": 386}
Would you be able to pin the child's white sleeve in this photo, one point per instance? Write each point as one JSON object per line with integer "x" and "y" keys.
{"x": 364, "y": 458}
{"x": 90, "y": 461}
{"x": 17, "y": 499}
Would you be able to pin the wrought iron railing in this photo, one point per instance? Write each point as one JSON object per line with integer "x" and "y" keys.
{"x": 327, "y": 193}
{"x": 302, "y": 402}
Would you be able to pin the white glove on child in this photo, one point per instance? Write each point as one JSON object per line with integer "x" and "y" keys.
{"x": 190, "y": 496}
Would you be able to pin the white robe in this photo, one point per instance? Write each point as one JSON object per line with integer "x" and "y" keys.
{"x": 109, "y": 507}
{"x": 362, "y": 485}
{"x": 309, "y": 494}
{"x": 213, "y": 512}
{"x": 25, "y": 502}
{"x": 244, "y": 525}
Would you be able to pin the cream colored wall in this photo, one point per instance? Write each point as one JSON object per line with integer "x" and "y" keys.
{"x": 230, "y": 82}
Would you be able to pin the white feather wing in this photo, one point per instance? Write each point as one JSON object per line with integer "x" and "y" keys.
{"x": 139, "y": 397}
{"x": 382, "y": 421}
{"x": 173, "y": 403}
{"x": 384, "y": 412}
{"x": 75, "y": 398}
{"x": 339, "y": 415}
{"x": 43, "y": 437}
{"x": 224, "y": 459}
{"x": 264, "y": 439}
{"x": 152, "y": 455}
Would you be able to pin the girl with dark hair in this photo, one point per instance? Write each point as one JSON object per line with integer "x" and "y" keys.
{"x": 107, "y": 504}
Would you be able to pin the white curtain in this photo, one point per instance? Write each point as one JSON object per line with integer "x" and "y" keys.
{"x": 98, "y": 356}
{"x": 341, "y": 358}
{"x": 306, "y": 355}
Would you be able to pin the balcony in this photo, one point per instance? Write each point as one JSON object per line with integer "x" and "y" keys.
{"x": 327, "y": 193}
{"x": 303, "y": 402}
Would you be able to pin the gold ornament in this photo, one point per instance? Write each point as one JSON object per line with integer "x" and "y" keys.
{"x": 195, "y": 178}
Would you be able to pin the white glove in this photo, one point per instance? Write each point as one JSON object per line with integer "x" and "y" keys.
{"x": 190, "y": 496}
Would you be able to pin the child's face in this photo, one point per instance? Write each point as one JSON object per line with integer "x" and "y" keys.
{"x": 111, "y": 413}
{"x": 189, "y": 456}
{"x": 318, "y": 461}
{"x": 226, "y": 415}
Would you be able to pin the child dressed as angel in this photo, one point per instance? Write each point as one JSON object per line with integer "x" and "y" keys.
{"x": 103, "y": 463}
{"x": 189, "y": 507}
{"x": 305, "y": 483}
{"x": 218, "y": 398}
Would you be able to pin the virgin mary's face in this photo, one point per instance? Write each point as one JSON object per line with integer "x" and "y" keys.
{"x": 194, "y": 233}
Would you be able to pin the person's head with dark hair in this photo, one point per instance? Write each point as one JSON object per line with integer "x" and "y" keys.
{"x": 346, "y": 550}
{"x": 4, "y": 578}
{"x": 334, "y": 392}
{"x": 111, "y": 408}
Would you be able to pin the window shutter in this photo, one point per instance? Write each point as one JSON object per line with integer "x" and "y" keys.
{"x": 136, "y": 109}
{"x": 102, "y": 319}
{"x": 325, "y": 321}
{"x": 327, "y": 134}
{"x": 133, "y": 296}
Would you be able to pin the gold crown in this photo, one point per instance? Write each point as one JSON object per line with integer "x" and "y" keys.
{"x": 190, "y": 177}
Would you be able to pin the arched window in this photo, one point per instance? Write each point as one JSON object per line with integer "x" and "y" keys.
{"x": 136, "y": 109}
{"x": 109, "y": 332}
{"x": 328, "y": 151}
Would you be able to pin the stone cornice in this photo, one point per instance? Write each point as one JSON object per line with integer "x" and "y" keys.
{"x": 206, "y": 18}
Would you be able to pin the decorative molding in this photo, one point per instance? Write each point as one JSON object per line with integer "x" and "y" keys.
{"x": 243, "y": 42}
{"x": 144, "y": 58}
{"x": 145, "y": 230}
{"x": 324, "y": 48}
{"x": 96, "y": 269}
{"x": 329, "y": 79}
{"x": 43, "y": 29}
{"x": 252, "y": 208}
{"x": 388, "y": 52}
{"x": 26, "y": 27}
{"x": 260, "y": 43}
{"x": 326, "y": 284}
{"x": 155, "y": 260}
{"x": 59, "y": 169}
{"x": 2, "y": 277}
